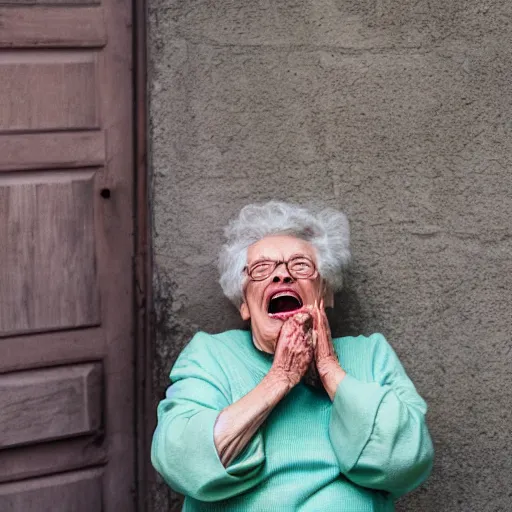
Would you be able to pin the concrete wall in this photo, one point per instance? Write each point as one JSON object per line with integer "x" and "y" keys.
{"x": 396, "y": 112}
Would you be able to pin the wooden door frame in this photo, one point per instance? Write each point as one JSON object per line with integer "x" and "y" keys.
{"x": 145, "y": 404}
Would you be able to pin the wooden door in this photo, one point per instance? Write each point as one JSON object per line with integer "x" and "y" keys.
{"x": 66, "y": 249}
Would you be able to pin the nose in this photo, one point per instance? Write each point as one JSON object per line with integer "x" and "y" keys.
{"x": 281, "y": 274}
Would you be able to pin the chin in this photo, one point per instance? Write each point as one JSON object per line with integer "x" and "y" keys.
{"x": 273, "y": 323}
{"x": 272, "y": 334}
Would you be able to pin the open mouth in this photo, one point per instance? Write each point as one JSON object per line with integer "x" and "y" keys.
{"x": 284, "y": 302}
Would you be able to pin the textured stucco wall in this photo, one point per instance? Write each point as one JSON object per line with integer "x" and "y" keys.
{"x": 399, "y": 114}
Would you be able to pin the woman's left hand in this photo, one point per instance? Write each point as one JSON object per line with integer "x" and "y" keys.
{"x": 327, "y": 364}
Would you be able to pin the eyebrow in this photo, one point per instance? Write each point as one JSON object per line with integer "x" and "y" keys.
{"x": 259, "y": 260}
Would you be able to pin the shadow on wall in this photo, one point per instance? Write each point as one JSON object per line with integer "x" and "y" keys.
{"x": 345, "y": 318}
{"x": 172, "y": 330}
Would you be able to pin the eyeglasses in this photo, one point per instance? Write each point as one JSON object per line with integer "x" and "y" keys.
{"x": 299, "y": 267}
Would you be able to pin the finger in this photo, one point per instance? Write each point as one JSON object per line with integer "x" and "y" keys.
{"x": 324, "y": 343}
{"x": 309, "y": 338}
{"x": 323, "y": 316}
{"x": 303, "y": 318}
{"x": 313, "y": 312}
{"x": 294, "y": 333}
{"x": 314, "y": 338}
{"x": 325, "y": 323}
{"x": 320, "y": 327}
{"x": 318, "y": 317}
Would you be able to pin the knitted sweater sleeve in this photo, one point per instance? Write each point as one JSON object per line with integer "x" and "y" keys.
{"x": 183, "y": 449}
{"x": 378, "y": 430}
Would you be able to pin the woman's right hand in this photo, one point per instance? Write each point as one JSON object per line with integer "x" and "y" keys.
{"x": 237, "y": 423}
{"x": 294, "y": 349}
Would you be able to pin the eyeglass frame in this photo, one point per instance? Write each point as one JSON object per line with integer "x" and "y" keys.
{"x": 276, "y": 263}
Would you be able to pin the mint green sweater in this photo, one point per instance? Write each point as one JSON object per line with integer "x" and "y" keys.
{"x": 356, "y": 454}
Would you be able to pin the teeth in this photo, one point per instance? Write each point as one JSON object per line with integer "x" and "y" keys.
{"x": 285, "y": 294}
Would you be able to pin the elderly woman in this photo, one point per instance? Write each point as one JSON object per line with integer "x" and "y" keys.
{"x": 283, "y": 417}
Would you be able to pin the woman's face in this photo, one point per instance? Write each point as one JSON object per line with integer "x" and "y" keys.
{"x": 260, "y": 297}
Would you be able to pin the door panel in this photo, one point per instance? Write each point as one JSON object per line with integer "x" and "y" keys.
{"x": 48, "y": 90}
{"x": 48, "y": 278}
{"x": 52, "y": 348}
{"x": 50, "y": 2}
{"x": 66, "y": 295}
{"x": 58, "y": 456}
{"x": 52, "y": 150}
{"x": 41, "y": 405}
{"x": 38, "y": 27}
{"x": 74, "y": 492}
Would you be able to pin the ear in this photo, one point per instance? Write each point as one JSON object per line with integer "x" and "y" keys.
{"x": 244, "y": 311}
{"x": 328, "y": 297}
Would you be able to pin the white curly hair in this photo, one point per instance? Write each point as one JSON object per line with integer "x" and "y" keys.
{"x": 326, "y": 229}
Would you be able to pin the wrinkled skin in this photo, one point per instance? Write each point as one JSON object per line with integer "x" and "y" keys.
{"x": 304, "y": 347}
{"x": 294, "y": 350}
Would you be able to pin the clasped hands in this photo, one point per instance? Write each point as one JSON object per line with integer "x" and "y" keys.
{"x": 305, "y": 339}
